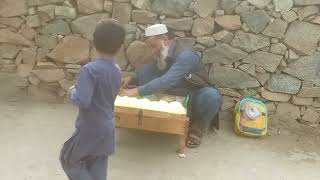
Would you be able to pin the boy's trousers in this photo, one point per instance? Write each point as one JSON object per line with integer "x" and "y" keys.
{"x": 89, "y": 168}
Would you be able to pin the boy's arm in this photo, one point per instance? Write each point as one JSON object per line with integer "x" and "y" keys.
{"x": 81, "y": 95}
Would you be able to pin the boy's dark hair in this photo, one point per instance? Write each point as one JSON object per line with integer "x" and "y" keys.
{"x": 108, "y": 36}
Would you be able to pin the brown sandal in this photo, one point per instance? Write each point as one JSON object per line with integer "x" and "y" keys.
{"x": 194, "y": 139}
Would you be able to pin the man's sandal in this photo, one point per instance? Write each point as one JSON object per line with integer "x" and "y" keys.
{"x": 194, "y": 139}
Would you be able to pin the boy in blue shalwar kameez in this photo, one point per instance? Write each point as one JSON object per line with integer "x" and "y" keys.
{"x": 85, "y": 155}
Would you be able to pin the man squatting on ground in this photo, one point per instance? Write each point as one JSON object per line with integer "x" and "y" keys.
{"x": 171, "y": 74}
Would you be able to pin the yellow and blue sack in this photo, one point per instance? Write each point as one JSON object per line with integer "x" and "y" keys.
{"x": 251, "y": 118}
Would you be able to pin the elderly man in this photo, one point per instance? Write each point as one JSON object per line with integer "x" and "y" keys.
{"x": 179, "y": 73}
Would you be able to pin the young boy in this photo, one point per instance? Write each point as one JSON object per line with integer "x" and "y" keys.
{"x": 85, "y": 155}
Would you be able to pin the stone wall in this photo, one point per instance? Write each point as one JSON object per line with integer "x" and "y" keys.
{"x": 262, "y": 48}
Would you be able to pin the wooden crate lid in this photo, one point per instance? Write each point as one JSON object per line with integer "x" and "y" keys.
{"x": 148, "y": 113}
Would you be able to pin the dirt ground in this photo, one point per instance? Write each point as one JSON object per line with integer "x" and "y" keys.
{"x": 32, "y": 132}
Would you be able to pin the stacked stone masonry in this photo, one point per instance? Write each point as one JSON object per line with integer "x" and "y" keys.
{"x": 268, "y": 49}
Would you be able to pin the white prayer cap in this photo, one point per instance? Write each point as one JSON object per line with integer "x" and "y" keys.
{"x": 156, "y": 29}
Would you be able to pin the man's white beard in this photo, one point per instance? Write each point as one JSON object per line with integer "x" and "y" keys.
{"x": 161, "y": 60}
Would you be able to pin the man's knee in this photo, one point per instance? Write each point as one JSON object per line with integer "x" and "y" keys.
{"x": 211, "y": 96}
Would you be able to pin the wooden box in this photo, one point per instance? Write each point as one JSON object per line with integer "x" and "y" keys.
{"x": 155, "y": 121}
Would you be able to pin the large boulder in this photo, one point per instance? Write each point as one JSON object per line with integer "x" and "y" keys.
{"x": 306, "y": 68}
{"x": 316, "y": 20}
{"x": 42, "y": 93}
{"x": 10, "y": 8}
{"x": 29, "y": 56}
{"x": 42, "y": 54}
{"x": 307, "y": 11}
{"x": 144, "y": 17}
{"x": 306, "y": 2}
{"x": 46, "y": 41}
{"x": 172, "y": 8}
{"x": 289, "y": 16}
{"x": 309, "y": 92}
{"x": 259, "y": 3}
{"x": 60, "y": 27}
{"x": 121, "y": 12}
{"x": 223, "y": 36}
{"x": 228, "y": 103}
{"x": 43, "y": 2}
{"x": 276, "y": 29}
{"x": 138, "y": 53}
{"x": 272, "y": 96}
{"x": 33, "y": 21}
{"x": 183, "y": 43}
{"x": 108, "y": 6}
{"x": 303, "y": 37}
{"x": 283, "y": 5}
{"x": 205, "y": 8}
{"x": 266, "y": 60}
{"x": 8, "y": 51}
{"x": 130, "y": 28}
{"x": 249, "y": 42}
{"x": 90, "y": 6}
{"x": 262, "y": 77}
{"x": 242, "y": 7}
{"x": 14, "y": 22}
{"x": 141, "y": 4}
{"x": 85, "y": 25}
{"x": 248, "y": 68}
{"x": 229, "y": 5}
{"x": 229, "y": 92}
{"x": 65, "y": 12}
{"x": 49, "y": 75}
{"x": 229, "y": 22}
{"x": 71, "y": 50}
{"x": 284, "y": 84}
{"x": 47, "y": 11}
{"x": 302, "y": 101}
{"x": 226, "y": 77}
{"x": 223, "y": 54}
{"x": 203, "y": 26}
{"x": 278, "y": 48}
{"x": 24, "y": 70}
{"x": 128, "y": 39}
{"x": 288, "y": 113}
{"x": 256, "y": 20}
{"x": 46, "y": 65}
{"x": 182, "y": 24}
{"x": 65, "y": 84}
{"x": 28, "y": 32}
{"x": 207, "y": 41}
{"x": 7, "y": 36}
{"x": 311, "y": 116}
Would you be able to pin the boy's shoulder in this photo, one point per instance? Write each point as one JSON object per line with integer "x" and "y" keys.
{"x": 96, "y": 66}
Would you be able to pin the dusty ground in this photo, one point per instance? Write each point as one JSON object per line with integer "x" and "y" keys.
{"x": 31, "y": 134}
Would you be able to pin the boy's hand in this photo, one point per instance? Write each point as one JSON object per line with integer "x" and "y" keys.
{"x": 70, "y": 89}
{"x": 130, "y": 92}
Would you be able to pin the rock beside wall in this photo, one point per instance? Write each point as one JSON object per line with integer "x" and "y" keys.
{"x": 267, "y": 49}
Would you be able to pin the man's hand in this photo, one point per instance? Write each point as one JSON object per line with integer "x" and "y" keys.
{"x": 130, "y": 92}
{"x": 125, "y": 82}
